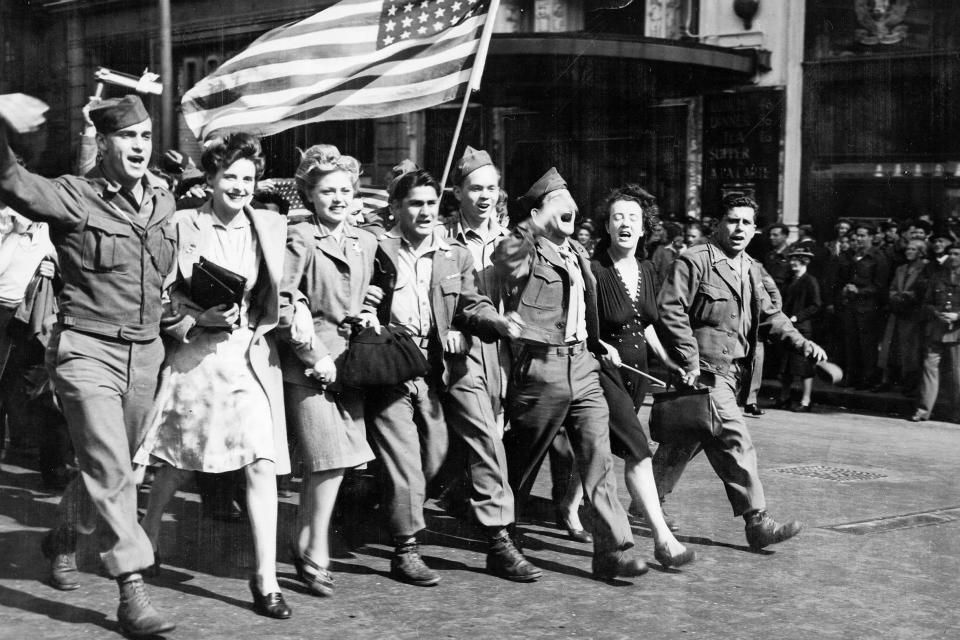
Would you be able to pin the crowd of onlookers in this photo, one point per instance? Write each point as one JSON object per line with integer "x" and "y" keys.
{"x": 870, "y": 297}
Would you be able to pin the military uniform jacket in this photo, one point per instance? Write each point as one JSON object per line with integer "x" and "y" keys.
{"x": 113, "y": 263}
{"x": 942, "y": 296}
{"x": 700, "y": 312}
{"x": 536, "y": 285}
{"x": 454, "y": 300}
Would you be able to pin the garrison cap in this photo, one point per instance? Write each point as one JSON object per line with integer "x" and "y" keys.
{"x": 114, "y": 114}
{"x": 471, "y": 160}
{"x": 550, "y": 181}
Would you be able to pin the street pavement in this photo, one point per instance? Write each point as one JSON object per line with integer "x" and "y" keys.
{"x": 879, "y": 558}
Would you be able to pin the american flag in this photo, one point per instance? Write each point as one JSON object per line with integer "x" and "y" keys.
{"x": 355, "y": 59}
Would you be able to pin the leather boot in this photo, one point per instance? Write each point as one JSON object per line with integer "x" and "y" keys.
{"x": 407, "y": 566}
{"x": 505, "y": 561}
{"x": 762, "y": 530}
{"x": 59, "y": 547}
{"x": 137, "y": 616}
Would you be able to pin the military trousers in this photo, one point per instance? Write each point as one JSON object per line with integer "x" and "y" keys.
{"x": 930, "y": 381}
{"x": 105, "y": 387}
{"x": 473, "y": 412}
{"x": 731, "y": 454}
{"x": 554, "y": 387}
{"x": 410, "y": 437}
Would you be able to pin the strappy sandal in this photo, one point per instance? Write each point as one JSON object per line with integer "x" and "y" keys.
{"x": 317, "y": 578}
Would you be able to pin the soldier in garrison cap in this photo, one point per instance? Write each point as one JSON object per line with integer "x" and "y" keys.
{"x": 941, "y": 306}
{"x": 474, "y": 399}
{"x": 116, "y": 246}
{"x": 548, "y": 284}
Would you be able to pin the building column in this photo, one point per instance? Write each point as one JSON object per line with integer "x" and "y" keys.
{"x": 792, "y": 144}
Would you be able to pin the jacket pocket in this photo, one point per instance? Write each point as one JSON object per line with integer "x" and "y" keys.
{"x": 103, "y": 244}
{"x": 451, "y": 285}
{"x": 710, "y": 305}
{"x": 163, "y": 246}
{"x": 544, "y": 289}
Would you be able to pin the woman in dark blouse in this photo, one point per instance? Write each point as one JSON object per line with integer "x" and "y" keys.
{"x": 627, "y": 306}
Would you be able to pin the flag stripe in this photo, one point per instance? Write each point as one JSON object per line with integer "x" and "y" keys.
{"x": 338, "y": 65}
{"x": 355, "y": 59}
{"x": 381, "y": 97}
{"x": 285, "y": 89}
{"x": 418, "y": 81}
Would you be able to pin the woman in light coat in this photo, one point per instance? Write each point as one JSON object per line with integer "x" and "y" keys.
{"x": 220, "y": 403}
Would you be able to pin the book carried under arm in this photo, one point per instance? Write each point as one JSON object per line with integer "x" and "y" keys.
{"x": 212, "y": 285}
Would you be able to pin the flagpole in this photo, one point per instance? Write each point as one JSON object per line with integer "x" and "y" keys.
{"x": 472, "y": 85}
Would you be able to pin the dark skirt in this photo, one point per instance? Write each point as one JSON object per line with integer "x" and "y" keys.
{"x": 628, "y": 438}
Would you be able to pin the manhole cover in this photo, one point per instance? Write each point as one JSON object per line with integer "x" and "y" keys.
{"x": 838, "y": 474}
{"x": 893, "y": 523}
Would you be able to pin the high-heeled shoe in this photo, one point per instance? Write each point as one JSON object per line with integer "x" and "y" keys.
{"x": 317, "y": 578}
{"x": 577, "y": 535}
{"x": 271, "y": 605}
{"x": 668, "y": 561}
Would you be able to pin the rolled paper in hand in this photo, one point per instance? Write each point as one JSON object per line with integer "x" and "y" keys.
{"x": 829, "y": 372}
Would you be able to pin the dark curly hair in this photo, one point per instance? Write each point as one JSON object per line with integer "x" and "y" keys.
{"x": 736, "y": 199}
{"x": 629, "y": 193}
{"x": 409, "y": 181}
{"x": 223, "y": 152}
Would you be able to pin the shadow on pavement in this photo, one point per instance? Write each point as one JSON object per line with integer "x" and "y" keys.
{"x": 54, "y": 609}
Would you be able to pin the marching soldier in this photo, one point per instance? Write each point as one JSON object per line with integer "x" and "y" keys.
{"x": 115, "y": 246}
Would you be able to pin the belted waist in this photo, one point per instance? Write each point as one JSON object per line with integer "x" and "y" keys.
{"x": 570, "y": 349}
{"x": 130, "y": 332}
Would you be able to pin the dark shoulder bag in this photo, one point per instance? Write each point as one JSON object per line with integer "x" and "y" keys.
{"x": 382, "y": 360}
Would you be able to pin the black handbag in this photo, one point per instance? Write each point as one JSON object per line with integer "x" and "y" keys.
{"x": 382, "y": 360}
{"x": 212, "y": 285}
{"x": 684, "y": 416}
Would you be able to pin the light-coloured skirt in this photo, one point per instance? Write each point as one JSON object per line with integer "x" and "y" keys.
{"x": 211, "y": 413}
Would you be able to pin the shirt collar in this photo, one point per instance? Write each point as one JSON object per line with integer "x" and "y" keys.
{"x": 720, "y": 256}
{"x": 240, "y": 221}
{"x": 108, "y": 185}
{"x": 496, "y": 230}
{"x": 347, "y": 230}
{"x": 436, "y": 241}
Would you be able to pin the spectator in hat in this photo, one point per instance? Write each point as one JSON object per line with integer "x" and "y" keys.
{"x": 940, "y": 242}
{"x": 801, "y": 304}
